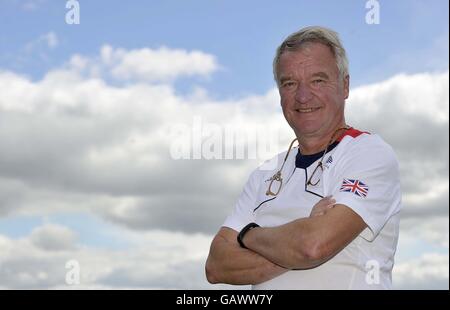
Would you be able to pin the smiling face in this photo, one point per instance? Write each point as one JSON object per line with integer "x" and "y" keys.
{"x": 312, "y": 92}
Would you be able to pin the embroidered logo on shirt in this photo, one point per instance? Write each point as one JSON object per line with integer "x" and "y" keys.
{"x": 354, "y": 186}
{"x": 328, "y": 161}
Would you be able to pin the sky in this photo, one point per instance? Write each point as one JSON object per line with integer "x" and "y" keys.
{"x": 93, "y": 115}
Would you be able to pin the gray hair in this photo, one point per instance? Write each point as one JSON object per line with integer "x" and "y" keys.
{"x": 318, "y": 34}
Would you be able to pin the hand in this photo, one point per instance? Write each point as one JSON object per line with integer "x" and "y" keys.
{"x": 322, "y": 206}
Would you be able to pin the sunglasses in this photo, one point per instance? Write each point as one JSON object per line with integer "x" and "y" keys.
{"x": 276, "y": 181}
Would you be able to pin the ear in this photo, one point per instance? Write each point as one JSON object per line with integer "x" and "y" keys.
{"x": 346, "y": 86}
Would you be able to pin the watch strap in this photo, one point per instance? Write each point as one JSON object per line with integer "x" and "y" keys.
{"x": 242, "y": 233}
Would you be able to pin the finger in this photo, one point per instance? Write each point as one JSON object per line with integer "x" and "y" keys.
{"x": 329, "y": 202}
{"x": 317, "y": 214}
{"x": 326, "y": 200}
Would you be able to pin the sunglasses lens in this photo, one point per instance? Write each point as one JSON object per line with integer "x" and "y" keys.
{"x": 275, "y": 186}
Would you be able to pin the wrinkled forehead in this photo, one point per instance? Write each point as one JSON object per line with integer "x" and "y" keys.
{"x": 307, "y": 58}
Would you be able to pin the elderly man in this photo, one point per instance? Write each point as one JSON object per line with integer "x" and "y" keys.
{"x": 328, "y": 216}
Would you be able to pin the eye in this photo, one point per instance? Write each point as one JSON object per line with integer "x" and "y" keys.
{"x": 318, "y": 81}
{"x": 288, "y": 84}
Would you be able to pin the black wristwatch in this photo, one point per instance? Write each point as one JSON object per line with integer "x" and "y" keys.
{"x": 245, "y": 230}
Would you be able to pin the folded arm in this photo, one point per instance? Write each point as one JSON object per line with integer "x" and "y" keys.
{"x": 307, "y": 242}
{"x": 229, "y": 263}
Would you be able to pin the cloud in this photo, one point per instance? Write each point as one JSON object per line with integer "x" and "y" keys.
{"x": 411, "y": 112}
{"x": 74, "y": 141}
{"x": 31, "y": 5}
{"x": 432, "y": 230}
{"x": 71, "y": 142}
{"x": 27, "y": 5}
{"x": 53, "y": 237}
{"x": 49, "y": 40}
{"x": 151, "y": 65}
{"x": 40, "y": 48}
{"x": 430, "y": 271}
{"x": 80, "y": 138}
{"x": 11, "y": 195}
{"x": 154, "y": 260}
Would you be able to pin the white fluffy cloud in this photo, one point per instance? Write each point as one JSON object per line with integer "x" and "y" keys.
{"x": 145, "y": 64}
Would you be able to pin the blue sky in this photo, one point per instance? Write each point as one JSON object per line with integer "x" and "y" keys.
{"x": 68, "y": 168}
{"x": 242, "y": 35}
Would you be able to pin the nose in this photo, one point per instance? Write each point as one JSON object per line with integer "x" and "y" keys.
{"x": 303, "y": 93}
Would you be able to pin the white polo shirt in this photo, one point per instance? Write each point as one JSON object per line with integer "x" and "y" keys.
{"x": 361, "y": 172}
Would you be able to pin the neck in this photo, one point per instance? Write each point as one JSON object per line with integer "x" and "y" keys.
{"x": 315, "y": 144}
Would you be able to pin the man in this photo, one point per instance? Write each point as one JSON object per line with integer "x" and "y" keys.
{"x": 328, "y": 216}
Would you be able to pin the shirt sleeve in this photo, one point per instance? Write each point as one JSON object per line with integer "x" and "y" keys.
{"x": 243, "y": 210}
{"x": 367, "y": 180}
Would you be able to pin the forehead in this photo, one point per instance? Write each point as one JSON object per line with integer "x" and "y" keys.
{"x": 311, "y": 56}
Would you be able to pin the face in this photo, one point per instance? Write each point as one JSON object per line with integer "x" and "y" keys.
{"x": 312, "y": 93}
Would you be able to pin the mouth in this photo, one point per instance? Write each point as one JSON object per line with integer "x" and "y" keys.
{"x": 309, "y": 110}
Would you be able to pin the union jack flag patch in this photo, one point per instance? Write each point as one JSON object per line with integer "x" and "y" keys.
{"x": 354, "y": 186}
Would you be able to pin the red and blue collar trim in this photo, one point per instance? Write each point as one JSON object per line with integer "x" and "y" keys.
{"x": 304, "y": 161}
{"x": 352, "y": 132}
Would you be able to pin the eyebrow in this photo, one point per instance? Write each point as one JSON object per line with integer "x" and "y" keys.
{"x": 285, "y": 78}
{"x": 321, "y": 74}
{"x": 315, "y": 74}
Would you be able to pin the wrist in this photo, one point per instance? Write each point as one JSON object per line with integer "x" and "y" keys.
{"x": 243, "y": 232}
